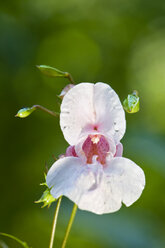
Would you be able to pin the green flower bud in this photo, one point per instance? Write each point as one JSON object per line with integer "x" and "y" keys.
{"x": 51, "y": 71}
{"x": 24, "y": 112}
{"x": 131, "y": 103}
{"x": 46, "y": 198}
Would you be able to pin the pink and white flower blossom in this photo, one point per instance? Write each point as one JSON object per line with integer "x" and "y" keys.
{"x": 93, "y": 173}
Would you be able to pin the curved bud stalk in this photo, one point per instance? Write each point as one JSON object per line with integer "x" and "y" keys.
{"x": 24, "y": 244}
{"x": 131, "y": 103}
{"x": 54, "y": 72}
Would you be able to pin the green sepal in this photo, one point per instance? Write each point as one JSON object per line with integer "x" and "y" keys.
{"x": 44, "y": 183}
{"x": 25, "y": 112}
{"x": 51, "y": 71}
{"x": 47, "y": 199}
{"x": 131, "y": 103}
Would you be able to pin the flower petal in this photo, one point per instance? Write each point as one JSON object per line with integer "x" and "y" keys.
{"x": 70, "y": 152}
{"x": 83, "y": 184}
{"x": 77, "y": 111}
{"x": 89, "y": 107}
{"x": 69, "y": 177}
{"x": 94, "y": 188}
{"x": 126, "y": 179}
{"x": 110, "y": 115}
{"x": 121, "y": 181}
{"x": 119, "y": 150}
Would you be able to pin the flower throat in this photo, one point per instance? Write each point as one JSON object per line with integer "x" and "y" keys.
{"x": 96, "y": 145}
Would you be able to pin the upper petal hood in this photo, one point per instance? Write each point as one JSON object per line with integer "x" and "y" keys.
{"x": 110, "y": 115}
{"x": 89, "y": 105}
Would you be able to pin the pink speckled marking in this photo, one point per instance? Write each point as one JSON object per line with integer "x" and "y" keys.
{"x": 96, "y": 145}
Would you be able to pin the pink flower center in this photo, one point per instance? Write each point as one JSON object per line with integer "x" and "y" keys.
{"x": 96, "y": 145}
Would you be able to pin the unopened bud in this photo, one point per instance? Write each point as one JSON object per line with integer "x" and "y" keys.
{"x": 24, "y": 112}
{"x": 131, "y": 103}
{"x": 51, "y": 71}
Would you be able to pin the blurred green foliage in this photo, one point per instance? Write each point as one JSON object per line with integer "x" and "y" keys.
{"x": 114, "y": 41}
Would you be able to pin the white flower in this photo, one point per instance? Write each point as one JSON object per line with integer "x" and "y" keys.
{"x": 93, "y": 174}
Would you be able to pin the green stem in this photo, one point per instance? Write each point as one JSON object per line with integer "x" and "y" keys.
{"x": 45, "y": 110}
{"x": 55, "y": 222}
{"x": 70, "y": 78}
{"x": 69, "y": 225}
{"x": 16, "y": 239}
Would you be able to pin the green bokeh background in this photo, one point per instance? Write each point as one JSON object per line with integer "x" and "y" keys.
{"x": 118, "y": 42}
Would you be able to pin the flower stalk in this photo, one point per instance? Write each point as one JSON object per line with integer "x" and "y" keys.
{"x": 46, "y": 110}
{"x": 55, "y": 222}
{"x": 70, "y": 78}
{"x": 69, "y": 225}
